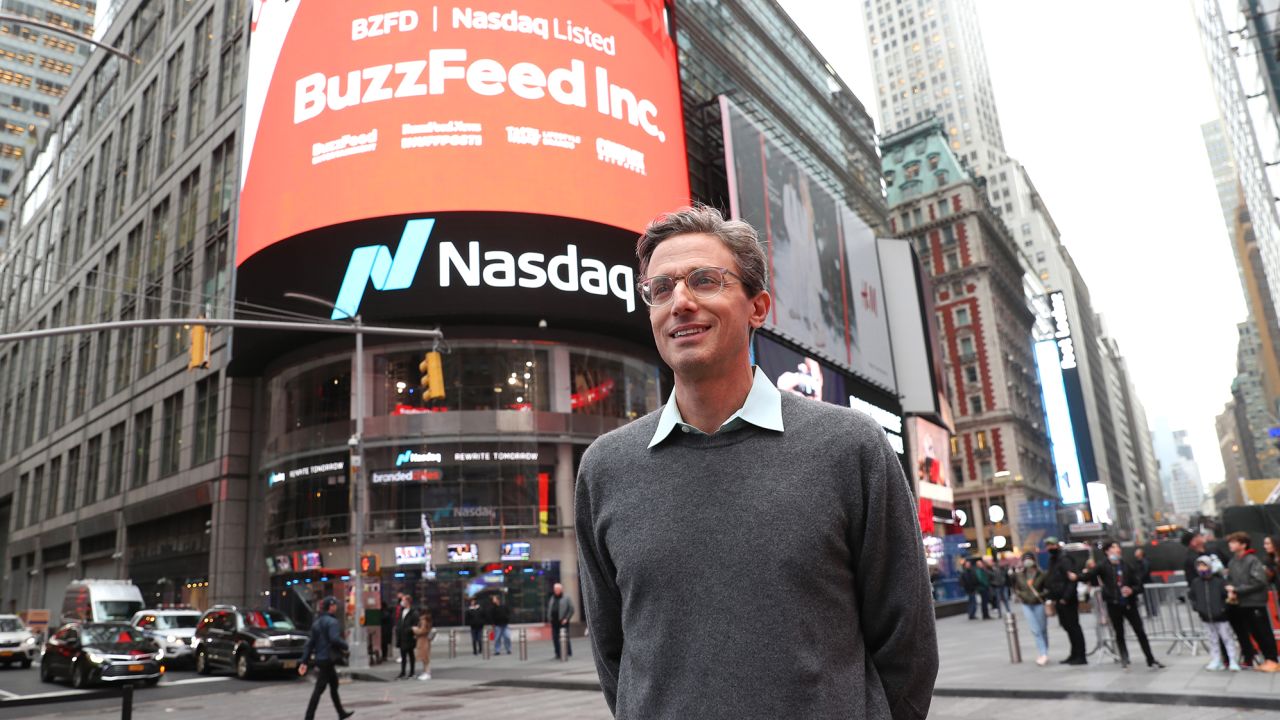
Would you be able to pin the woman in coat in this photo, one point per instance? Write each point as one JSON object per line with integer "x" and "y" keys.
{"x": 422, "y": 632}
{"x": 1028, "y": 587}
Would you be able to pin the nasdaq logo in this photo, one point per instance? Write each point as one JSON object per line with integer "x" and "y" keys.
{"x": 375, "y": 264}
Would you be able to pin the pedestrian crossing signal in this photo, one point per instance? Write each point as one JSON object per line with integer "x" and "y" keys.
{"x": 369, "y": 564}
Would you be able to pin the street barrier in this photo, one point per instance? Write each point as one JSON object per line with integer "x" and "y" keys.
{"x": 453, "y": 644}
{"x": 488, "y": 650}
{"x": 1172, "y": 619}
{"x": 524, "y": 644}
{"x": 1010, "y": 631}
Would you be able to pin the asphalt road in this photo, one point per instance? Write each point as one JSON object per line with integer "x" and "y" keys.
{"x": 175, "y": 685}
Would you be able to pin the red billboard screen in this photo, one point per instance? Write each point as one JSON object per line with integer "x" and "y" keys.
{"x": 379, "y": 108}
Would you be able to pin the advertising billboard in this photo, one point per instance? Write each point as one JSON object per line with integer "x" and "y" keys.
{"x": 381, "y": 108}
{"x": 917, "y": 355}
{"x": 1057, "y": 416}
{"x": 824, "y": 271}
{"x": 807, "y": 377}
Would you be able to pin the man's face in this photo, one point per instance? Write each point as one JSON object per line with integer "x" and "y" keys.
{"x": 1197, "y": 543}
{"x": 714, "y": 332}
{"x": 1139, "y": 554}
{"x": 1235, "y": 546}
{"x": 558, "y": 589}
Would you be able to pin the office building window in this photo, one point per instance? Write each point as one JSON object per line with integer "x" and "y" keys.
{"x": 37, "y": 494}
{"x": 92, "y": 469}
{"x": 202, "y": 49}
{"x": 171, "y": 435}
{"x": 19, "y": 508}
{"x": 55, "y": 486}
{"x": 206, "y": 424}
{"x": 115, "y": 459}
{"x": 975, "y": 404}
{"x": 141, "y": 448}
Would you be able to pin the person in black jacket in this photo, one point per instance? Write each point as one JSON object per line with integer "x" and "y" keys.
{"x": 406, "y": 618}
{"x": 1209, "y": 598}
{"x": 969, "y": 583}
{"x": 1063, "y": 575}
{"x": 326, "y": 644}
{"x": 500, "y": 616}
{"x": 1121, "y": 589}
{"x": 475, "y": 620}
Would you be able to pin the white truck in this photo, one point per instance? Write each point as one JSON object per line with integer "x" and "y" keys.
{"x": 101, "y": 601}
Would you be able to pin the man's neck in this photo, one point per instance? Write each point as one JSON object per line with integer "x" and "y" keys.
{"x": 707, "y": 402}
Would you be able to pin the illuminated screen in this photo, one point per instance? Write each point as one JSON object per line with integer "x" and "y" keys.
{"x": 515, "y": 551}
{"x": 380, "y": 108}
{"x": 1057, "y": 415}
{"x": 463, "y": 552}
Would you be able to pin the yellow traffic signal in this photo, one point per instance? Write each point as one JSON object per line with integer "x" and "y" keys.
{"x": 432, "y": 370}
{"x": 199, "y": 347}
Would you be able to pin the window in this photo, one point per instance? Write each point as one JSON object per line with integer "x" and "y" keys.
{"x": 119, "y": 196}
{"x": 37, "y": 494}
{"x": 115, "y": 459}
{"x": 944, "y": 208}
{"x": 169, "y": 107}
{"x": 962, "y": 316}
{"x": 64, "y": 388}
{"x": 953, "y": 261}
{"x": 78, "y": 395}
{"x": 966, "y": 346}
{"x": 187, "y": 193}
{"x": 215, "y": 270}
{"x": 146, "y": 115}
{"x": 232, "y": 41}
{"x": 202, "y": 49}
{"x": 146, "y": 29}
{"x": 975, "y": 405}
{"x": 100, "y": 367}
{"x": 981, "y": 437}
{"x": 55, "y": 485}
{"x": 72, "y": 493}
{"x": 948, "y": 235}
{"x": 141, "y": 448}
{"x": 970, "y": 374}
{"x": 19, "y": 509}
{"x": 1040, "y": 257}
{"x": 171, "y": 435}
{"x": 206, "y": 420}
{"x": 92, "y": 467}
{"x": 222, "y": 187}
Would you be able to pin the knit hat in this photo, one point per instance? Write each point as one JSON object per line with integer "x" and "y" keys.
{"x": 1215, "y": 565}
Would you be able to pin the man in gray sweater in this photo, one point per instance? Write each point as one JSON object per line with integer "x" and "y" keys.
{"x": 746, "y": 553}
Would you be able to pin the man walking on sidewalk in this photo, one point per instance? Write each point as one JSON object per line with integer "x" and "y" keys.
{"x": 559, "y": 613}
{"x": 1062, "y": 593}
{"x": 745, "y": 552}
{"x": 326, "y": 644}
{"x": 475, "y": 621}
{"x": 500, "y": 616}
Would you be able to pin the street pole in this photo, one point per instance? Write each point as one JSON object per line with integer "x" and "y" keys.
{"x": 359, "y": 654}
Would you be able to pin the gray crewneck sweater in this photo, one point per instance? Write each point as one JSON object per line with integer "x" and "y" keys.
{"x": 756, "y": 574}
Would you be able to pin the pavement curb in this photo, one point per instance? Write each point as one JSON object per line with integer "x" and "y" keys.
{"x": 1250, "y": 702}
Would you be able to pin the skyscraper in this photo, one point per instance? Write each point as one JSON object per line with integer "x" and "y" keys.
{"x": 929, "y": 60}
{"x": 36, "y": 66}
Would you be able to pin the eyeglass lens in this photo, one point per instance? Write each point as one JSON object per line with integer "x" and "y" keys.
{"x": 703, "y": 282}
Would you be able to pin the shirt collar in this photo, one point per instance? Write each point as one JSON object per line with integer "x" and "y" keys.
{"x": 762, "y": 408}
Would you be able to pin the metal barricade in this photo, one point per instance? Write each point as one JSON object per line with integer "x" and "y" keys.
{"x": 453, "y": 644}
{"x": 488, "y": 651}
{"x": 564, "y": 644}
{"x": 1011, "y": 633}
{"x": 1171, "y": 618}
{"x": 524, "y": 644}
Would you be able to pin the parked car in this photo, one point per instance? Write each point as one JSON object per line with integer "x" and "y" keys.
{"x": 89, "y": 653}
{"x": 172, "y": 629}
{"x": 247, "y": 641}
{"x": 17, "y": 643}
{"x": 101, "y": 601}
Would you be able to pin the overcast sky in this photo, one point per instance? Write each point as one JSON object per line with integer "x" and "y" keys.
{"x": 1103, "y": 102}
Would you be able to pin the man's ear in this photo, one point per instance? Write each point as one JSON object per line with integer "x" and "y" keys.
{"x": 760, "y": 306}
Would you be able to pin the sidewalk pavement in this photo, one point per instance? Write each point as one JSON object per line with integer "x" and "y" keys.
{"x": 975, "y": 663}
{"x": 540, "y": 670}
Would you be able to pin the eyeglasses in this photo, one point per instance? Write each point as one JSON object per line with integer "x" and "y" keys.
{"x": 704, "y": 283}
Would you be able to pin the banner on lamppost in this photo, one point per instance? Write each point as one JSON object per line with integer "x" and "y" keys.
{"x": 426, "y": 544}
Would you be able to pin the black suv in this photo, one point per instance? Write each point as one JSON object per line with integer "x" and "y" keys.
{"x": 247, "y": 641}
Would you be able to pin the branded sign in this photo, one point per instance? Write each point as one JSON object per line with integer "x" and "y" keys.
{"x": 306, "y": 471}
{"x": 1062, "y": 331}
{"x": 570, "y": 109}
{"x": 411, "y": 555}
{"x": 463, "y": 552}
{"x": 1100, "y": 502}
{"x": 931, "y": 451}
{"x": 404, "y": 476}
{"x": 409, "y": 457}
{"x": 516, "y": 551}
{"x": 1058, "y": 422}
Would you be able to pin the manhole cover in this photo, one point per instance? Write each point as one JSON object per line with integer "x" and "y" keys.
{"x": 429, "y": 708}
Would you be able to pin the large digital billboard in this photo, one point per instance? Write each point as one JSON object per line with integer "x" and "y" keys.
{"x": 379, "y": 109}
{"x": 824, "y": 269}
{"x": 1057, "y": 414}
{"x": 931, "y": 460}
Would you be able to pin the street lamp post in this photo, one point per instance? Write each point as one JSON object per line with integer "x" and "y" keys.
{"x": 357, "y": 496}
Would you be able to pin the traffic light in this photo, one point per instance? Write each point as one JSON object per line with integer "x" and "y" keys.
{"x": 432, "y": 371}
{"x": 369, "y": 564}
{"x": 199, "y": 347}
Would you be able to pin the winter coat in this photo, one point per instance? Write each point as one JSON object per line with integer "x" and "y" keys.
{"x": 1249, "y": 577}
{"x": 969, "y": 580}
{"x": 499, "y": 615}
{"x": 566, "y": 608}
{"x": 475, "y": 617}
{"x": 1114, "y": 577}
{"x": 999, "y": 576}
{"x": 1209, "y": 598}
{"x": 422, "y": 632}
{"x": 1024, "y": 581}
{"x": 1061, "y": 588}
{"x": 404, "y": 629}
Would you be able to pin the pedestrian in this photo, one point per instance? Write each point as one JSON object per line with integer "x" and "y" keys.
{"x": 423, "y": 634}
{"x": 388, "y": 622}
{"x": 1028, "y": 587}
{"x": 1209, "y": 598}
{"x": 500, "y": 616}
{"x": 1121, "y": 588}
{"x": 1197, "y": 546}
{"x": 1143, "y": 567}
{"x": 969, "y": 583}
{"x": 739, "y": 477}
{"x": 474, "y": 618}
{"x": 999, "y": 586}
{"x": 1061, "y": 584}
{"x": 1247, "y": 595}
{"x": 326, "y": 645}
{"x": 559, "y": 613}
{"x": 984, "y": 586}
{"x": 1271, "y": 557}
{"x": 406, "y": 619}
